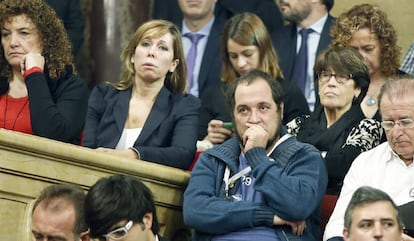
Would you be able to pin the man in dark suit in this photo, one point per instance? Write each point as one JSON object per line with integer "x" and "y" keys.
{"x": 199, "y": 19}
{"x": 303, "y": 15}
{"x": 267, "y": 10}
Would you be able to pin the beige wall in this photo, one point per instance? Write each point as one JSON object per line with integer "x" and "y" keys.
{"x": 400, "y": 12}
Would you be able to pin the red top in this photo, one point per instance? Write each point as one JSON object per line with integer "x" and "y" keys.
{"x": 15, "y": 114}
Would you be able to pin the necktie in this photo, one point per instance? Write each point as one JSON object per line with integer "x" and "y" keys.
{"x": 301, "y": 61}
{"x": 191, "y": 56}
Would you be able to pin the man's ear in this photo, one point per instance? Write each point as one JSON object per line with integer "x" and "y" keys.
{"x": 147, "y": 220}
{"x": 84, "y": 236}
{"x": 345, "y": 233}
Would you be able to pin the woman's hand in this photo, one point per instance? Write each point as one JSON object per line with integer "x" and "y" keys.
{"x": 125, "y": 153}
{"x": 31, "y": 60}
{"x": 216, "y": 133}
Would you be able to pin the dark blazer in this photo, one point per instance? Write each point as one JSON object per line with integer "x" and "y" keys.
{"x": 267, "y": 10}
{"x": 57, "y": 106}
{"x": 169, "y": 134}
{"x": 285, "y": 41}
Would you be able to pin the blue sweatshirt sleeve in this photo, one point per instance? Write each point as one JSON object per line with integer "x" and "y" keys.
{"x": 207, "y": 210}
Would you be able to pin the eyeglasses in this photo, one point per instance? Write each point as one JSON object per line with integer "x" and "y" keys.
{"x": 325, "y": 76}
{"x": 118, "y": 233}
{"x": 403, "y": 123}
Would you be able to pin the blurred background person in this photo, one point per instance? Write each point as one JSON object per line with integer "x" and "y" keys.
{"x": 367, "y": 28}
{"x": 245, "y": 45}
{"x": 201, "y": 32}
{"x": 408, "y": 64}
{"x": 302, "y": 40}
{"x": 39, "y": 91}
{"x": 268, "y": 11}
{"x": 147, "y": 115}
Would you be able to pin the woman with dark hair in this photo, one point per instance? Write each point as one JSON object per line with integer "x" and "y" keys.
{"x": 39, "y": 91}
{"x": 367, "y": 28}
{"x": 245, "y": 45}
{"x": 338, "y": 128}
{"x": 147, "y": 115}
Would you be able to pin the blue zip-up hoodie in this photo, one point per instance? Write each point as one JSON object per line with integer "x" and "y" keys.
{"x": 293, "y": 181}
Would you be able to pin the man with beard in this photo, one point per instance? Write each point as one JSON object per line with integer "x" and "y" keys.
{"x": 260, "y": 183}
{"x": 310, "y": 18}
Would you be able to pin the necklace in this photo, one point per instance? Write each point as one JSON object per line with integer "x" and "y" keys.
{"x": 18, "y": 113}
{"x": 370, "y": 101}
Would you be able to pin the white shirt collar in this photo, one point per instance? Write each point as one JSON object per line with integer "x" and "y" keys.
{"x": 393, "y": 156}
{"x": 204, "y": 30}
{"x": 318, "y": 26}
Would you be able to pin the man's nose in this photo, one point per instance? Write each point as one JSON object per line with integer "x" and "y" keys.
{"x": 378, "y": 231}
{"x": 254, "y": 117}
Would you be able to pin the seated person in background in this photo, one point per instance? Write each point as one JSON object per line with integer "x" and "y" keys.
{"x": 408, "y": 64}
{"x": 338, "y": 128}
{"x": 39, "y": 91}
{"x": 147, "y": 115}
{"x": 245, "y": 45}
{"x": 58, "y": 214}
{"x": 121, "y": 207}
{"x": 308, "y": 28}
{"x": 367, "y": 28}
{"x": 372, "y": 215}
{"x": 201, "y": 43}
{"x": 260, "y": 183}
{"x": 389, "y": 166}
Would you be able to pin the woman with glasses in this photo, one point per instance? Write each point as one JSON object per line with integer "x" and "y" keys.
{"x": 338, "y": 128}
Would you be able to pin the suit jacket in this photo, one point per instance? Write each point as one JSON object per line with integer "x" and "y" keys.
{"x": 168, "y": 136}
{"x": 267, "y": 10}
{"x": 285, "y": 41}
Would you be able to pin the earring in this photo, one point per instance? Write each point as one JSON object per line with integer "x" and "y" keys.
{"x": 132, "y": 60}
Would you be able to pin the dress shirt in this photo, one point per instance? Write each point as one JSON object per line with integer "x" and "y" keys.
{"x": 201, "y": 46}
{"x": 380, "y": 168}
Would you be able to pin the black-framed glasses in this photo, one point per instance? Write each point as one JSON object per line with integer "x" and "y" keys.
{"x": 118, "y": 233}
{"x": 325, "y": 76}
{"x": 403, "y": 123}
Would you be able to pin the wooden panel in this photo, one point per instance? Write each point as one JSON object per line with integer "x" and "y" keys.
{"x": 29, "y": 163}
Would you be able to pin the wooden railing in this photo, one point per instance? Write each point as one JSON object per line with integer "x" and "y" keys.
{"x": 29, "y": 163}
